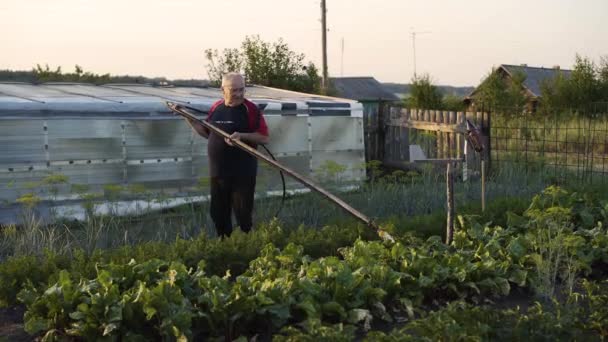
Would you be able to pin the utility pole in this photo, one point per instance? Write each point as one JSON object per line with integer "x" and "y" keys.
{"x": 414, "y": 33}
{"x": 325, "y": 83}
{"x": 342, "y": 60}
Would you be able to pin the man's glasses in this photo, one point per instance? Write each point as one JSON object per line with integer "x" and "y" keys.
{"x": 234, "y": 89}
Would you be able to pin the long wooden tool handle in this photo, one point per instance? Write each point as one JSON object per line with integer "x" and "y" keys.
{"x": 183, "y": 111}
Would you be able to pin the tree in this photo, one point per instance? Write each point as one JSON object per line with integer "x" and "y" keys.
{"x": 39, "y": 74}
{"x": 555, "y": 93}
{"x": 423, "y": 94}
{"x": 46, "y": 74}
{"x": 603, "y": 77}
{"x": 453, "y": 103}
{"x": 586, "y": 84}
{"x": 498, "y": 92}
{"x": 311, "y": 80}
{"x": 219, "y": 64}
{"x": 264, "y": 63}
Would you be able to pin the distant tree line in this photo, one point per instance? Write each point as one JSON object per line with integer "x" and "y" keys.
{"x": 263, "y": 63}
{"x": 40, "y": 74}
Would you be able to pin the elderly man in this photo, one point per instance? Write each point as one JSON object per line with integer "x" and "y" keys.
{"x": 233, "y": 171}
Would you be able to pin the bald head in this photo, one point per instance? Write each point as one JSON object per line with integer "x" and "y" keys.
{"x": 232, "y": 78}
{"x": 233, "y": 88}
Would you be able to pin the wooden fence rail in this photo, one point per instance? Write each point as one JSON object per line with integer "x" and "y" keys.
{"x": 390, "y": 131}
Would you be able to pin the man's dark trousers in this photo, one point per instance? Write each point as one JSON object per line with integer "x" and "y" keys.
{"x": 232, "y": 193}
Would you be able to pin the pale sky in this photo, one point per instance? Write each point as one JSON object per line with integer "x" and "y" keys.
{"x": 168, "y": 37}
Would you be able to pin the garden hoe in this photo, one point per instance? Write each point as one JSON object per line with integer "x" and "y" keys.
{"x": 187, "y": 112}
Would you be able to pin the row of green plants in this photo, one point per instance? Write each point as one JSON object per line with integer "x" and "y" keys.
{"x": 233, "y": 253}
{"x": 581, "y": 317}
{"x": 389, "y": 196}
{"x": 289, "y": 291}
{"x": 41, "y": 252}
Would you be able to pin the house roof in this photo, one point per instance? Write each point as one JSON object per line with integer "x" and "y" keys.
{"x": 362, "y": 89}
{"x": 534, "y": 76}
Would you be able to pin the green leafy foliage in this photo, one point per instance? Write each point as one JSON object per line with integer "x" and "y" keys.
{"x": 232, "y": 254}
{"x": 581, "y": 316}
{"x": 587, "y": 83}
{"x": 329, "y": 284}
{"x": 460, "y": 321}
{"x": 423, "y": 94}
{"x": 596, "y": 297}
{"x": 497, "y": 93}
{"x": 264, "y": 63}
{"x": 18, "y": 272}
{"x": 314, "y": 330}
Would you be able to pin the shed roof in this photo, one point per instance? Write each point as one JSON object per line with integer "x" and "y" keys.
{"x": 362, "y": 89}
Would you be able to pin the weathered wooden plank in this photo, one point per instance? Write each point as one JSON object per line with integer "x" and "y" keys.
{"x": 395, "y": 113}
{"x": 429, "y": 126}
{"x": 459, "y": 138}
{"x": 396, "y": 142}
{"x": 437, "y": 161}
{"x": 446, "y": 135}
{"x": 450, "y": 204}
{"x": 453, "y": 146}
{"x": 470, "y": 116}
{"x": 421, "y": 165}
{"x": 439, "y": 120}
{"x": 405, "y": 138}
{"x": 472, "y": 160}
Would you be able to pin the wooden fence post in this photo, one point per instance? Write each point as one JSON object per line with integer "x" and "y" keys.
{"x": 386, "y": 152}
{"x": 460, "y": 145}
{"x": 440, "y": 140}
{"x": 405, "y": 137}
{"x": 483, "y": 184}
{"x": 450, "y": 204}
{"x": 446, "y": 136}
{"x": 453, "y": 147}
{"x": 469, "y": 152}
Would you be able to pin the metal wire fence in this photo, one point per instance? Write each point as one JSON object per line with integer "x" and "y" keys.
{"x": 564, "y": 143}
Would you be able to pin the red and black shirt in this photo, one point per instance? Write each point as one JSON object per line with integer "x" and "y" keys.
{"x": 230, "y": 161}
